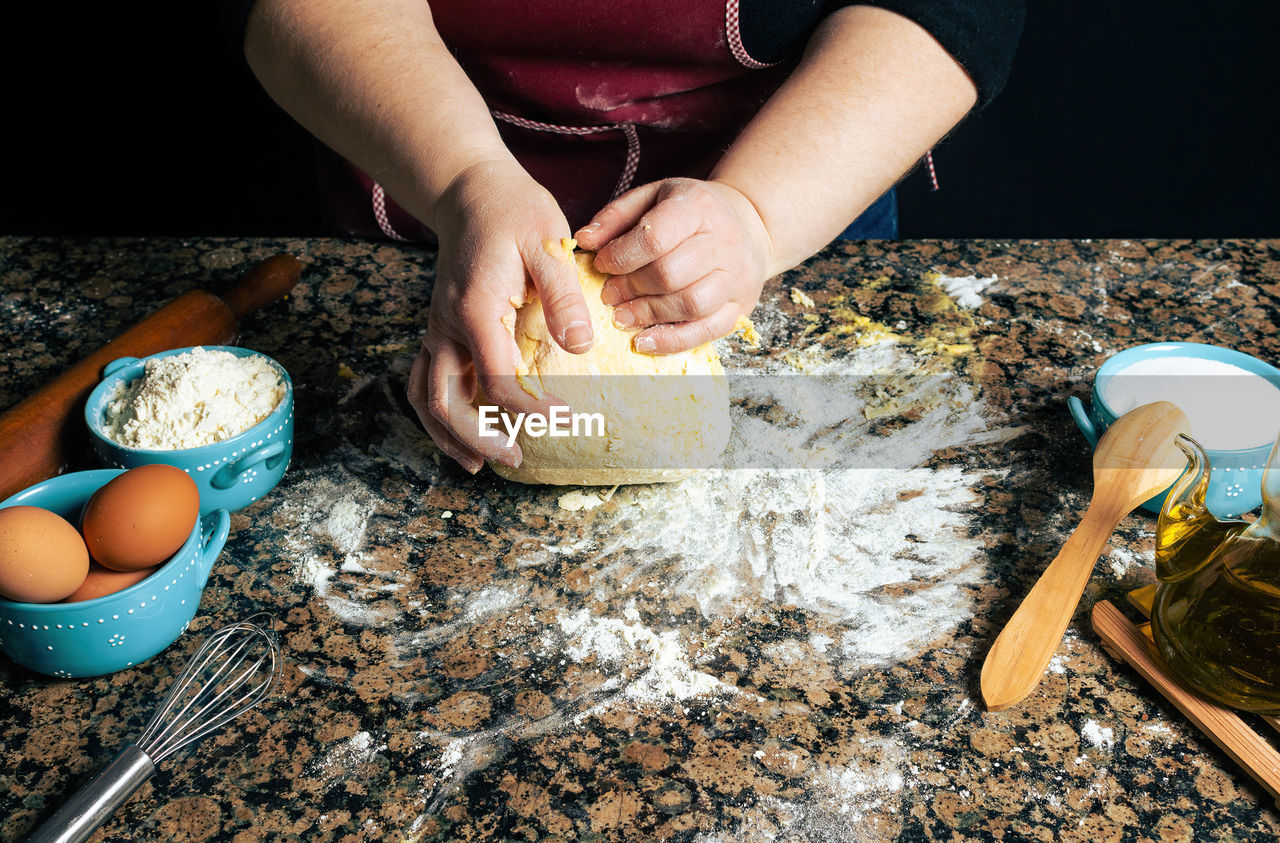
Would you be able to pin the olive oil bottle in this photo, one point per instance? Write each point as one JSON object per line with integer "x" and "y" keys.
{"x": 1216, "y": 616}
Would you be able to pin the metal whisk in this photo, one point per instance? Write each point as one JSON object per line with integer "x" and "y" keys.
{"x": 234, "y": 670}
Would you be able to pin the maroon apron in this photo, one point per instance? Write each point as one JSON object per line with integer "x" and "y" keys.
{"x": 592, "y": 98}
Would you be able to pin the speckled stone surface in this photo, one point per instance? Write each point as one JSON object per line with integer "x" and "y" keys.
{"x": 467, "y": 659}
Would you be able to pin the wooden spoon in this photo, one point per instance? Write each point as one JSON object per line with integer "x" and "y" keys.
{"x": 1135, "y": 459}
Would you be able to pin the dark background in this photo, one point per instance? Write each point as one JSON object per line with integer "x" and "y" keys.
{"x": 1129, "y": 118}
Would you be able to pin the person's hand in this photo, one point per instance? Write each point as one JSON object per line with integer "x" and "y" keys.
{"x": 689, "y": 257}
{"x": 493, "y": 222}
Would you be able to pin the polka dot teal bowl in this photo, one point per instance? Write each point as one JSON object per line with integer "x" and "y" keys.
{"x": 120, "y": 630}
{"x": 1235, "y": 481}
{"x": 230, "y": 474}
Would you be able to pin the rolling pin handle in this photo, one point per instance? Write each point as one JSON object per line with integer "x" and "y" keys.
{"x": 116, "y": 365}
{"x": 266, "y": 282}
{"x": 40, "y": 436}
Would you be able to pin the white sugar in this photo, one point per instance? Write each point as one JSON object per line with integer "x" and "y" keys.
{"x": 1229, "y": 408}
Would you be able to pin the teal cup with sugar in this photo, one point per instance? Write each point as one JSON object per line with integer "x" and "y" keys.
{"x": 1232, "y": 400}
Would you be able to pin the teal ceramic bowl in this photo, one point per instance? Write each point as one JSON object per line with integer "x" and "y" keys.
{"x": 120, "y": 630}
{"x": 1235, "y": 483}
{"x": 230, "y": 474}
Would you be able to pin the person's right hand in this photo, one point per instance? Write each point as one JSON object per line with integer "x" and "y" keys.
{"x": 494, "y": 223}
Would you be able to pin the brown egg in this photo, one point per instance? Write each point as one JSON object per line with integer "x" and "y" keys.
{"x": 42, "y": 557}
{"x": 141, "y": 518}
{"x": 102, "y": 581}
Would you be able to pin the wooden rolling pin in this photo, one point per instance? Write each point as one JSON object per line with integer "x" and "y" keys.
{"x": 42, "y": 435}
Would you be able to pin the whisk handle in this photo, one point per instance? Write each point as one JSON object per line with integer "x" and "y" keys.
{"x": 89, "y": 808}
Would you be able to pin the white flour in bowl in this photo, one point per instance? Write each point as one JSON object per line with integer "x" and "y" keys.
{"x": 1229, "y": 408}
{"x": 191, "y": 399}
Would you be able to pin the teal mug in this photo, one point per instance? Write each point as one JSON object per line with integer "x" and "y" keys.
{"x": 230, "y": 474}
{"x": 119, "y": 630}
{"x": 1235, "y": 483}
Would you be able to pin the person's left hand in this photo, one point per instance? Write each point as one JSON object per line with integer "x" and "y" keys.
{"x": 688, "y": 258}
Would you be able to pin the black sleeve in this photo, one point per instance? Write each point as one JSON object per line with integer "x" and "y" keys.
{"x": 979, "y": 34}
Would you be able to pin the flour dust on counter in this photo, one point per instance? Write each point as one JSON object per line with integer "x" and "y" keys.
{"x": 825, "y": 540}
{"x": 1101, "y": 737}
{"x": 880, "y": 553}
{"x": 860, "y": 801}
{"x": 328, "y": 518}
{"x": 348, "y": 756}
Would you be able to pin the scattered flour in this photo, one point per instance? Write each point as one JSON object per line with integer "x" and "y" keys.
{"x": 818, "y": 419}
{"x": 965, "y": 289}
{"x": 1122, "y": 560}
{"x": 875, "y": 549}
{"x": 610, "y": 641}
{"x": 884, "y": 778}
{"x": 192, "y": 399}
{"x": 1101, "y": 737}
{"x": 495, "y": 599}
{"x": 453, "y": 753}
{"x": 346, "y": 525}
{"x": 348, "y": 756}
{"x": 881, "y": 551}
{"x": 1161, "y": 730}
{"x": 329, "y": 518}
{"x": 859, "y": 801}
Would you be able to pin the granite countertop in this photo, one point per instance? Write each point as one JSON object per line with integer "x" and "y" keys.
{"x": 764, "y": 652}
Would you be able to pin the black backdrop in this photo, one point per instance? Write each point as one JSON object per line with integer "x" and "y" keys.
{"x": 1129, "y": 118}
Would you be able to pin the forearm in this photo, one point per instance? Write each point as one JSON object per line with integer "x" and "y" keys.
{"x": 373, "y": 81}
{"x": 872, "y": 94}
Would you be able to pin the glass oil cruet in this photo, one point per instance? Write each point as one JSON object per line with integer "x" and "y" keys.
{"x": 1216, "y": 615}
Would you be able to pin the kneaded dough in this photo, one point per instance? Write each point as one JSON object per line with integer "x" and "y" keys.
{"x": 665, "y": 416}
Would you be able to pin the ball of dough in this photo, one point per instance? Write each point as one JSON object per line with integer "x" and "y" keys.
{"x": 665, "y": 416}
